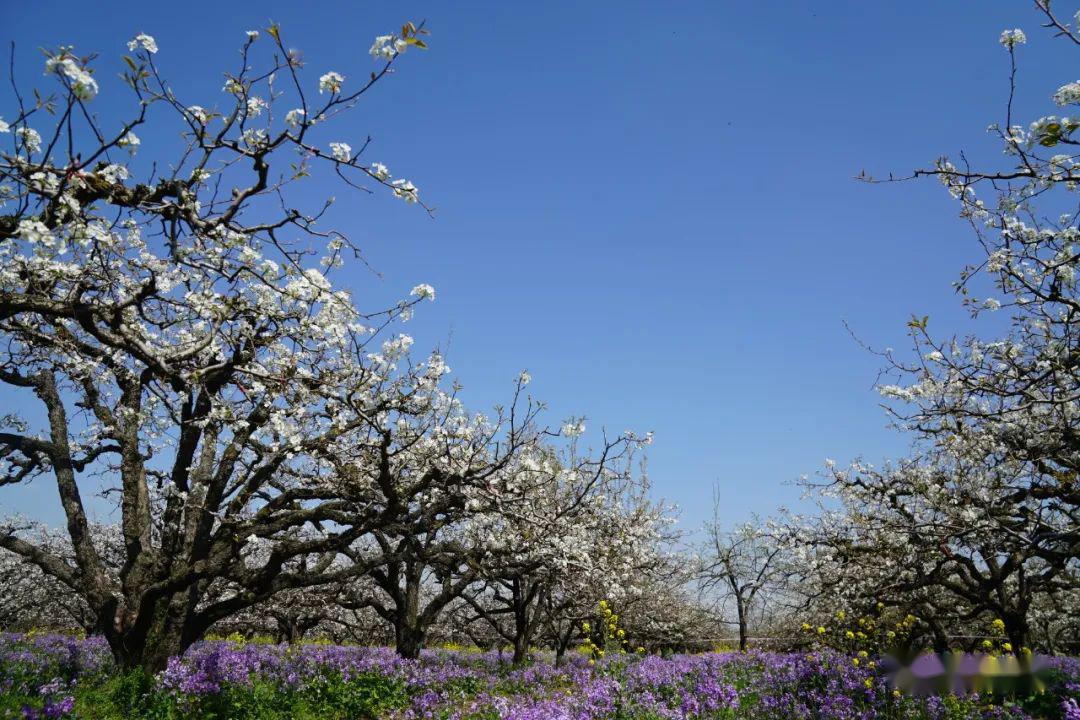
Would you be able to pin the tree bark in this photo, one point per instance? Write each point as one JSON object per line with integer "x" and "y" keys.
{"x": 742, "y": 628}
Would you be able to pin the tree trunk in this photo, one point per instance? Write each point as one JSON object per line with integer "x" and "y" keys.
{"x": 1017, "y": 630}
{"x": 147, "y": 642}
{"x": 741, "y": 606}
{"x": 562, "y": 645}
{"x": 522, "y": 626}
{"x": 149, "y": 649}
{"x": 409, "y": 630}
{"x": 410, "y": 641}
{"x": 521, "y": 648}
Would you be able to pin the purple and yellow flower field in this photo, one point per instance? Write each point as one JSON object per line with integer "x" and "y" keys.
{"x": 60, "y": 676}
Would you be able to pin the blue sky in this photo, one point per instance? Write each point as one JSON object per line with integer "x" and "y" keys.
{"x": 648, "y": 205}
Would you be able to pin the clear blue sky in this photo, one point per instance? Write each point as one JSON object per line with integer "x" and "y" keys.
{"x": 648, "y": 205}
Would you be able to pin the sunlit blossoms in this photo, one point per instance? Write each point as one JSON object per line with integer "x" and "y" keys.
{"x": 30, "y": 139}
{"x": 405, "y": 190}
{"x": 1068, "y": 94}
{"x": 130, "y": 141}
{"x": 82, "y": 84}
{"x": 387, "y": 47}
{"x": 423, "y": 291}
{"x": 573, "y": 428}
{"x": 1012, "y": 38}
{"x": 341, "y": 152}
{"x": 379, "y": 171}
{"x": 295, "y": 117}
{"x": 331, "y": 82}
{"x": 144, "y": 41}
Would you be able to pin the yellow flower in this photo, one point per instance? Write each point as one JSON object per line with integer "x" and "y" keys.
{"x": 862, "y": 653}
{"x": 806, "y": 627}
{"x": 820, "y": 630}
{"x": 841, "y": 615}
{"x": 997, "y": 626}
{"x": 1007, "y": 647}
{"x": 585, "y": 627}
{"x": 871, "y": 664}
{"x": 987, "y": 644}
{"x": 868, "y": 683}
{"x": 855, "y": 662}
{"x": 849, "y": 635}
{"x": 896, "y": 694}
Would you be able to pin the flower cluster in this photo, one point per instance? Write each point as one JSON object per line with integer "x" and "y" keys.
{"x": 234, "y": 678}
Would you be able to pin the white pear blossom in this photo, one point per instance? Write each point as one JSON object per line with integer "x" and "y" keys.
{"x": 30, "y": 138}
{"x": 424, "y": 292}
{"x": 331, "y": 82}
{"x": 379, "y": 171}
{"x": 253, "y": 35}
{"x": 574, "y": 428}
{"x": 294, "y": 117}
{"x": 35, "y": 231}
{"x": 198, "y": 113}
{"x": 130, "y": 141}
{"x": 144, "y": 41}
{"x": 1068, "y": 94}
{"x": 82, "y": 83}
{"x": 114, "y": 173}
{"x": 388, "y": 47}
{"x": 406, "y": 191}
{"x": 524, "y": 378}
{"x": 4, "y": 127}
{"x": 256, "y": 105}
{"x": 1012, "y": 38}
{"x": 341, "y": 152}
{"x": 255, "y": 137}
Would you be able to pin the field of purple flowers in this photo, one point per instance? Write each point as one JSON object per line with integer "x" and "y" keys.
{"x": 59, "y": 676}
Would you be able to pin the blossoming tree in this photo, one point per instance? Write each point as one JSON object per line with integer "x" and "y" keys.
{"x": 1011, "y": 402}
{"x": 177, "y": 340}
